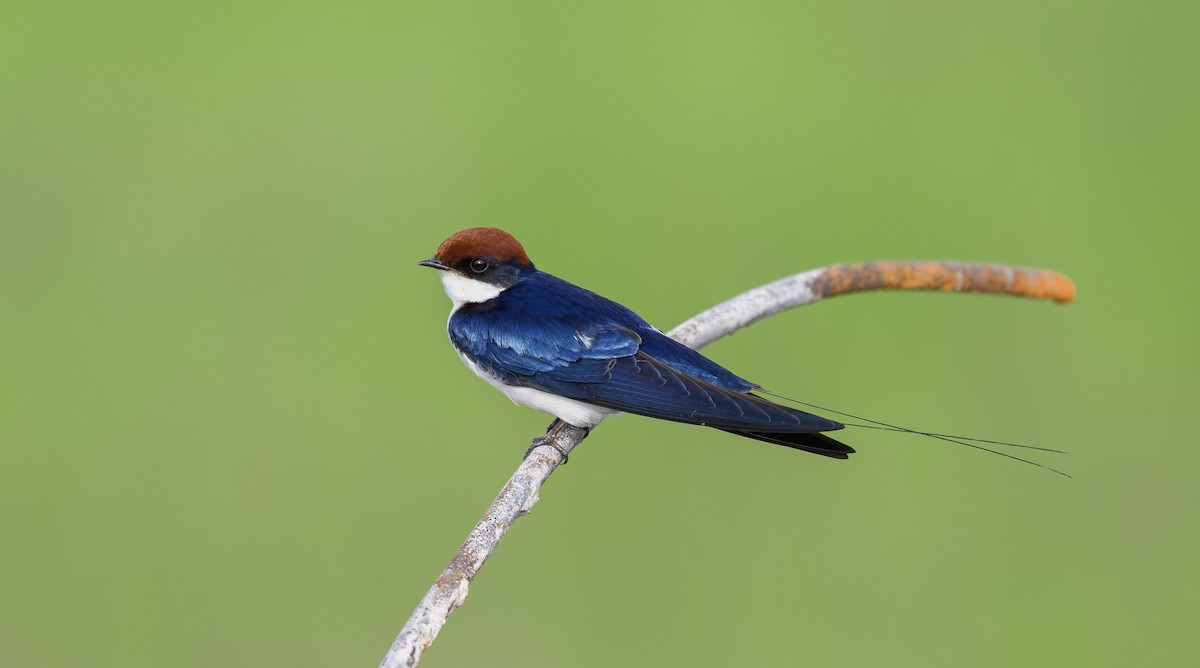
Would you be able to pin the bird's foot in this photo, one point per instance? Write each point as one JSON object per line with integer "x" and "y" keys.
{"x": 551, "y": 439}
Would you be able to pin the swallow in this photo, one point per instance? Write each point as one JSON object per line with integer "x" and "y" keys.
{"x": 558, "y": 348}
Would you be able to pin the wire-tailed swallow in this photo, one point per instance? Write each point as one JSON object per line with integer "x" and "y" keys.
{"x": 556, "y": 347}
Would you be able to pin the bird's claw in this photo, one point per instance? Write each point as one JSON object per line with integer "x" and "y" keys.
{"x": 550, "y": 441}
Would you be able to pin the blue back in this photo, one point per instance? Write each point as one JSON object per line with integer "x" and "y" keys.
{"x": 563, "y": 333}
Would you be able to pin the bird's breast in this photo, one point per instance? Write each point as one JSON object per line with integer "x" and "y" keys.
{"x": 571, "y": 411}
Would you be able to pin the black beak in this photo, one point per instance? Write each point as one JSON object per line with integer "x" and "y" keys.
{"x": 435, "y": 263}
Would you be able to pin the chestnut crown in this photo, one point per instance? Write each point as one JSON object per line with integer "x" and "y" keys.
{"x": 482, "y": 242}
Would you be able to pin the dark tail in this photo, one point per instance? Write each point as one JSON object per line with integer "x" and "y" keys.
{"x": 814, "y": 442}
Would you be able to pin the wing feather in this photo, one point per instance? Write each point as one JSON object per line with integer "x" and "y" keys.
{"x": 538, "y": 337}
{"x": 641, "y": 385}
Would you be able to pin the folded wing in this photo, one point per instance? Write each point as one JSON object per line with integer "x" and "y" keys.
{"x": 610, "y": 365}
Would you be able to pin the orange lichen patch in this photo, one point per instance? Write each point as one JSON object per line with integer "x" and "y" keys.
{"x": 482, "y": 242}
{"x": 948, "y": 277}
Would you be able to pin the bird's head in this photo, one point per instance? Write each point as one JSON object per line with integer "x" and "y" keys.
{"x": 479, "y": 263}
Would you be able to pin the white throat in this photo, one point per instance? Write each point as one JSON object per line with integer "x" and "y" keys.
{"x": 462, "y": 290}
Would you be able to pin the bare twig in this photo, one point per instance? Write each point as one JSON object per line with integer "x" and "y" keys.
{"x": 521, "y": 492}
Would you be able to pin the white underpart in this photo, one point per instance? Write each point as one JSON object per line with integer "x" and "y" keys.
{"x": 567, "y": 410}
{"x": 462, "y": 290}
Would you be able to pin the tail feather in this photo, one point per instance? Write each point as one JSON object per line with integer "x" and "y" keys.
{"x": 814, "y": 442}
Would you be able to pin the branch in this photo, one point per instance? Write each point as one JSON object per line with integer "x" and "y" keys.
{"x": 521, "y": 492}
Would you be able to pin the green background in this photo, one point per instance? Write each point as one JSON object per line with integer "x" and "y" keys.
{"x": 232, "y": 430}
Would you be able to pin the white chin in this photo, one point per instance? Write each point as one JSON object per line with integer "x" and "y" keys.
{"x": 462, "y": 290}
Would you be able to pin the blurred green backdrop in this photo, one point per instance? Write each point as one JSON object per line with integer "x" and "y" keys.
{"x": 232, "y": 430}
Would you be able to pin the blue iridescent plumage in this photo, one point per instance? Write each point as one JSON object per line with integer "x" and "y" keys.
{"x": 544, "y": 333}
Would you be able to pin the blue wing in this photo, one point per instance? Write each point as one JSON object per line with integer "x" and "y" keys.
{"x": 544, "y": 324}
{"x": 547, "y": 334}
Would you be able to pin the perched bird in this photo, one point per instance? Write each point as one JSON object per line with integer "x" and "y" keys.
{"x": 556, "y": 347}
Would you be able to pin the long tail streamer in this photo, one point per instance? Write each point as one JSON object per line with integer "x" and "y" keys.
{"x": 960, "y": 440}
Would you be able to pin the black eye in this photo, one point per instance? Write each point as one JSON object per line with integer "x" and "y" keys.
{"x": 479, "y": 265}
